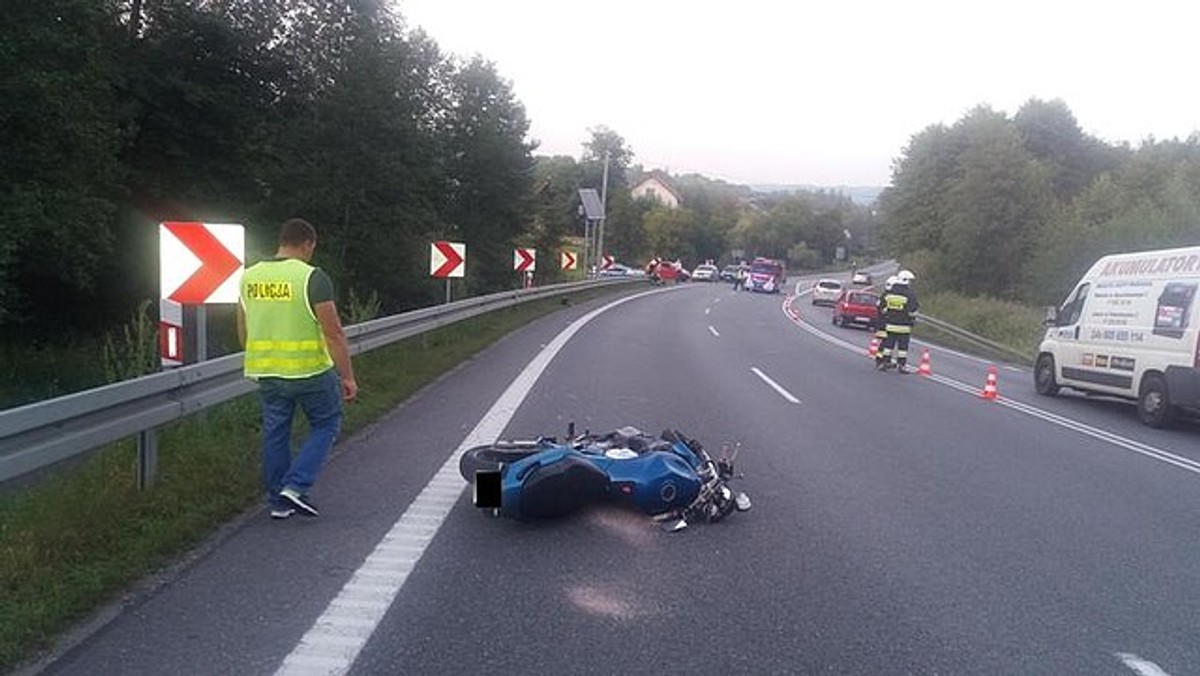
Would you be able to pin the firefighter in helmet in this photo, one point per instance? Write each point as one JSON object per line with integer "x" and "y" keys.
{"x": 877, "y": 323}
{"x": 897, "y": 310}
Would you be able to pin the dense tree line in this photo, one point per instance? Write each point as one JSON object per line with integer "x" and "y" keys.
{"x": 116, "y": 116}
{"x": 1020, "y": 207}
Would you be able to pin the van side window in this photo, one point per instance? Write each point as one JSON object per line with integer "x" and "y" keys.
{"x": 1073, "y": 308}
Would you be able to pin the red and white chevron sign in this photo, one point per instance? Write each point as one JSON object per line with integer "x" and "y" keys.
{"x": 524, "y": 260}
{"x": 447, "y": 259}
{"x": 567, "y": 260}
{"x": 608, "y": 262}
{"x": 200, "y": 262}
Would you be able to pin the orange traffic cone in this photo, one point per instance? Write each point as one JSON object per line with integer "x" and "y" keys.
{"x": 925, "y": 369}
{"x": 989, "y": 389}
{"x": 873, "y": 349}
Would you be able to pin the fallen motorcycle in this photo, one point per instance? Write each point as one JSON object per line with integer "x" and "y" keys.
{"x": 672, "y": 478}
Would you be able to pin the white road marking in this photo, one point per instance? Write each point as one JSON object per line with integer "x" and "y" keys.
{"x": 776, "y": 386}
{"x": 713, "y": 331}
{"x": 707, "y": 310}
{"x": 1030, "y": 410}
{"x": 1142, "y": 666}
{"x": 333, "y": 642}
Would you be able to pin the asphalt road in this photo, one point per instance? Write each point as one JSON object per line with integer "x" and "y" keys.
{"x": 901, "y": 524}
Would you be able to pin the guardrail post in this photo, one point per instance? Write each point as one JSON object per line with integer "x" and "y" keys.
{"x": 147, "y": 458}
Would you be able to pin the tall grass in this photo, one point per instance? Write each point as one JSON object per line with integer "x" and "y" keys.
{"x": 81, "y": 537}
{"x": 1013, "y": 325}
{"x": 132, "y": 350}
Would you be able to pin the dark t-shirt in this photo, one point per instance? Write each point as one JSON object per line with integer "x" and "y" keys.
{"x": 320, "y": 286}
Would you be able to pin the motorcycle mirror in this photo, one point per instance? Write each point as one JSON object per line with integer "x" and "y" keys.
{"x": 674, "y": 526}
{"x": 725, "y": 450}
{"x": 743, "y": 502}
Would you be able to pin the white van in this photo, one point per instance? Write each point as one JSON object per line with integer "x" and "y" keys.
{"x": 1130, "y": 328}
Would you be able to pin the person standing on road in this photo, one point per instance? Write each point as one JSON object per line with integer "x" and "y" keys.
{"x": 739, "y": 277}
{"x": 297, "y": 351}
{"x": 898, "y": 309}
{"x": 878, "y": 325}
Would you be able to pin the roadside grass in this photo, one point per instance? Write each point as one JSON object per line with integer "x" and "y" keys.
{"x": 82, "y": 537}
{"x": 1013, "y": 325}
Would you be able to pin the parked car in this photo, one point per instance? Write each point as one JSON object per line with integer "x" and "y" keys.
{"x": 856, "y": 307}
{"x": 861, "y": 278}
{"x": 616, "y": 270}
{"x": 705, "y": 273}
{"x": 729, "y": 273}
{"x": 826, "y": 291}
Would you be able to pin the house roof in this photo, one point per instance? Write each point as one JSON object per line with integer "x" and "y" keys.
{"x": 662, "y": 179}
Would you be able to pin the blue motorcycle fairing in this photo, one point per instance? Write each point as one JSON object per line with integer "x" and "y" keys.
{"x": 561, "y": 479}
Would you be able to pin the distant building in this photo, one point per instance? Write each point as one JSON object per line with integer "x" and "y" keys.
{"x": 656, "y": 185}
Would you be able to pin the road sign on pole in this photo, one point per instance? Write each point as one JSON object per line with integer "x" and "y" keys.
{"x": 447, "y": 259}
{"x": 567, "y": 260}
{"x": 607, "y": 262}
{"x": 200, "y": 262}
{"x": 524, "y": 260}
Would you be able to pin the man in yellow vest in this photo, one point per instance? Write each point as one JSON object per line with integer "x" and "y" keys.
{"x": 295, "y": 349}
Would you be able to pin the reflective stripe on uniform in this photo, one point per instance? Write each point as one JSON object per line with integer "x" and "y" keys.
{"x": 284, "y": 345}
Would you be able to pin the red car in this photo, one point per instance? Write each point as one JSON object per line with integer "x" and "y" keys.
{"x": 856, "y": 307}
{"x": 668, "y": 271}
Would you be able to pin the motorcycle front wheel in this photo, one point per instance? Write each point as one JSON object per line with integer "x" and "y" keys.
{"x": 490, "y": 457}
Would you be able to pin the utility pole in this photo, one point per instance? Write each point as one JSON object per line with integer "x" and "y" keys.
{"x": 603, "y": 214}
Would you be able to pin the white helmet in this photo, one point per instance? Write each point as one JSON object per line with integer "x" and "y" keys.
{"x": 891, "y": 281}
{"x": 905, "y": 276}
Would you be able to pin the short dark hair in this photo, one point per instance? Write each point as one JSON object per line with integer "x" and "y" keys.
{"x": 296, "y": 231}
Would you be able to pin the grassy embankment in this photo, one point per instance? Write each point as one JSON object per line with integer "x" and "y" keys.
{"x": 83, "y": 537}
{"x": 1013, "y": 325}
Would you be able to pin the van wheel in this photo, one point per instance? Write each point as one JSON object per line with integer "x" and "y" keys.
{"x": 1154, "y": 402}
{"x": 1043, "y": 376}
{"x": 835, "y": 320}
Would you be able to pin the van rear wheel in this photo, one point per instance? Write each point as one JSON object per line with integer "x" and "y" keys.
{"x": 1044, "y": 380}
{"x": 1154, "y": 402}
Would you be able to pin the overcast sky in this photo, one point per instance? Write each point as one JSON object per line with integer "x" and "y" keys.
{"x": 829, "y": 92}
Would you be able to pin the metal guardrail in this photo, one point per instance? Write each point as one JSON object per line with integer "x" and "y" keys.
{"x": 38, "y": 435}
{"x": 979, "y": 340}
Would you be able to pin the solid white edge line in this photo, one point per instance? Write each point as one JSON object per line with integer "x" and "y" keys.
{"x": 1142, "y": 666}
{"x": 414, "y": 530}
{"x": 1021, "y": 407}
{"x": 776, "y": 386}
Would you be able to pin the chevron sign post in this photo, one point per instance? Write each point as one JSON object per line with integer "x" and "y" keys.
{"x": 199, "y": 263}
{"x": 567, "y": 260}
{"x": 446, "y": 260}
{"x": 524, "y": 260}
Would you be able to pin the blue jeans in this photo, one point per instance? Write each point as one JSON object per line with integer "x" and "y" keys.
{"x": 320, "y": 397}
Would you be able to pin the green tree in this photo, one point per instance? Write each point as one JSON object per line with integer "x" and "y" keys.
{"x": 999, "y": 199}
{"x": 1051, "y": 134}
{"x": 59, "y": 174}
{"x": 490, "y": 171}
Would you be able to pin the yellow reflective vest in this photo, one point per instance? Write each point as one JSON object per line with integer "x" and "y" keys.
{"x": 283, "y": 337}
